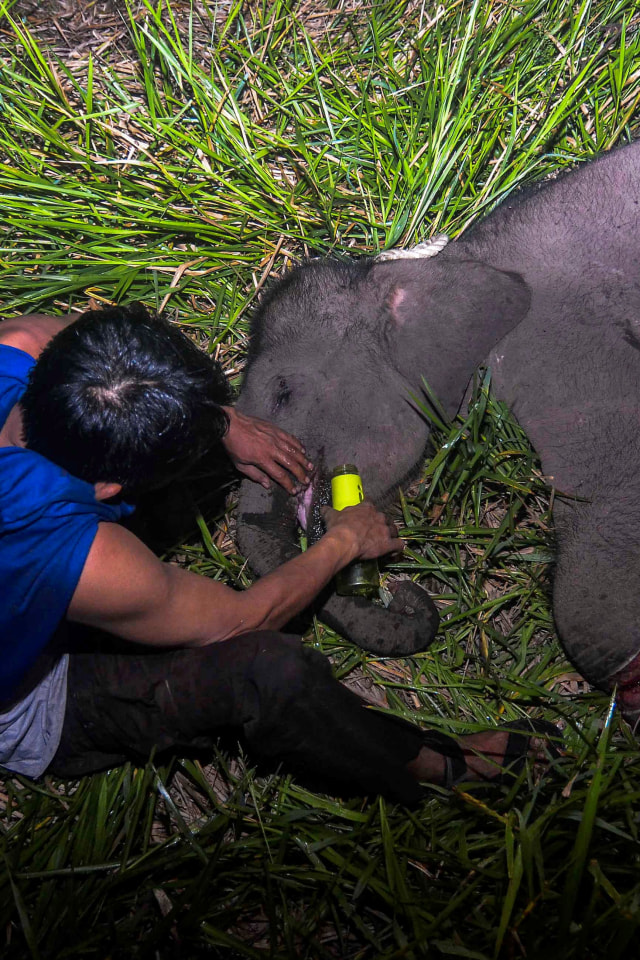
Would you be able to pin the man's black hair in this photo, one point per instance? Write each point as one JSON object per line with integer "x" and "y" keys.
{"x": 122, "y": 396}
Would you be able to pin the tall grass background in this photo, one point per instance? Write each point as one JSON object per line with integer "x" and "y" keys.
{"x": 234, "y": 139}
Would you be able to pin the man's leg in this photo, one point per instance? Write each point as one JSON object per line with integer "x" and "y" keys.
{"x": 278, "y": 693}
{"x": 280, "y": 696}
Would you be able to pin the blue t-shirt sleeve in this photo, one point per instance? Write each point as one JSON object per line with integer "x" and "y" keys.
{"x": 15, "y": 365}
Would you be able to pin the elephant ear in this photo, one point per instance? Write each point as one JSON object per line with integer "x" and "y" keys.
{"x": 443, "y": 317}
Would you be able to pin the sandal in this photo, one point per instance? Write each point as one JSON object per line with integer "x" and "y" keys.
{"x": 515, "y": 755}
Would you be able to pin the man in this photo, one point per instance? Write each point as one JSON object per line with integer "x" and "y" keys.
{"x": 109, "y": 654}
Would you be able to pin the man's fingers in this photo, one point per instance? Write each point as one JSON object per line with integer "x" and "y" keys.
{"x": 298, "y": 466}
{"x": 377, "y": 535}
{"x": 288, "y": 439}
{"x": 284, "y": 477}
{"x": 289, "y": 446}
{"x": 398, "y": 544}
{"x": 287, "y": 450}
{"x": 393, "y": 530}
{"x": 283, "y": 439}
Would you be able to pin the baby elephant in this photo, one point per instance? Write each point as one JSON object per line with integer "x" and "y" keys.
{"x": 546, "y": 292}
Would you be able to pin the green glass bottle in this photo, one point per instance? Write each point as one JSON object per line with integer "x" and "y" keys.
{"x": 361, "y": 578}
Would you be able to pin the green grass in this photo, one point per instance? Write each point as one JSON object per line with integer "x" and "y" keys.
{"x": 184, "y": 184}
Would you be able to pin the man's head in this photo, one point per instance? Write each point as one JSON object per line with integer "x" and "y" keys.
{"x": 122, "y": 397}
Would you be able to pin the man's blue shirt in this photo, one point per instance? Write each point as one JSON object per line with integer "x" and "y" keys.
{"x": 48, "y": 521}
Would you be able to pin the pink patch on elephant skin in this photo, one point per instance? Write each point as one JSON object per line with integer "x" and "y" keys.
{"x": 628, "y": 682}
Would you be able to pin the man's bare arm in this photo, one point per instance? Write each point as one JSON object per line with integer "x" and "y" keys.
{"x": 126, "y": 590}
{"x": 33, "y": 331}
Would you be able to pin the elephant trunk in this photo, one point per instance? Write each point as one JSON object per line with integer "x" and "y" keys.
{"x": 407, "y": 626}
{"x": 267, "y": 527}
{"x": 268, "y": 537}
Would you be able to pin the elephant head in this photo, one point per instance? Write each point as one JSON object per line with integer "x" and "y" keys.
{"x": 338, "y": 350}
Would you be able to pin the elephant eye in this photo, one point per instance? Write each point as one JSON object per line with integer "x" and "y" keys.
{"x": 283, "y": 394}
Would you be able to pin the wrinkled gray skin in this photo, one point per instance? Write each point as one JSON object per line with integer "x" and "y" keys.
{"x": 546, "y": 291}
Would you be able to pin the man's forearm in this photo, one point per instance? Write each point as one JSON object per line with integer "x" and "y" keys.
{"x": 274, "y": 599}
{"x": 126, "y": 590}
{"x": 163, "y": 604}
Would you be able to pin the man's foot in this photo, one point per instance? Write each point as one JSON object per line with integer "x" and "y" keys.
{"x": 483, "y": 756}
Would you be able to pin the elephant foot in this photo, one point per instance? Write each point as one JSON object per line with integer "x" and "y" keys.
{"x": 627, "y": 681}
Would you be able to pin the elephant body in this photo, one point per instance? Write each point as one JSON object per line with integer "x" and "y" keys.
{"x": 546, "y": 292}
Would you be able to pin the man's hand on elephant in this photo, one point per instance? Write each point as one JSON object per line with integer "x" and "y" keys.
{"x": 263, "y": 452}
{"x": 373, "y": 534}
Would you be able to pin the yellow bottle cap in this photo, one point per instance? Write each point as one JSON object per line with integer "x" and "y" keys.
{"x": 346, "y": 490}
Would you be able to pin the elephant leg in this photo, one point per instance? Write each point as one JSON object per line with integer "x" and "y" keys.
{"x": 596, "y": 599}
{"x": 267, "y": 527}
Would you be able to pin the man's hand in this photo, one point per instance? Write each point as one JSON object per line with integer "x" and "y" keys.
{"x": 261, "y": 451}
{"x": 372, "y": 534}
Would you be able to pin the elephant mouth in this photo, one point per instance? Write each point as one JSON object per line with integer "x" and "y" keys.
{"x": 309, "y": 504}
{"x": 304, "y": 505}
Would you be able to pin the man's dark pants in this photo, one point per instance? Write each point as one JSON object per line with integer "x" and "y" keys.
{"x": 277, "y": 694}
